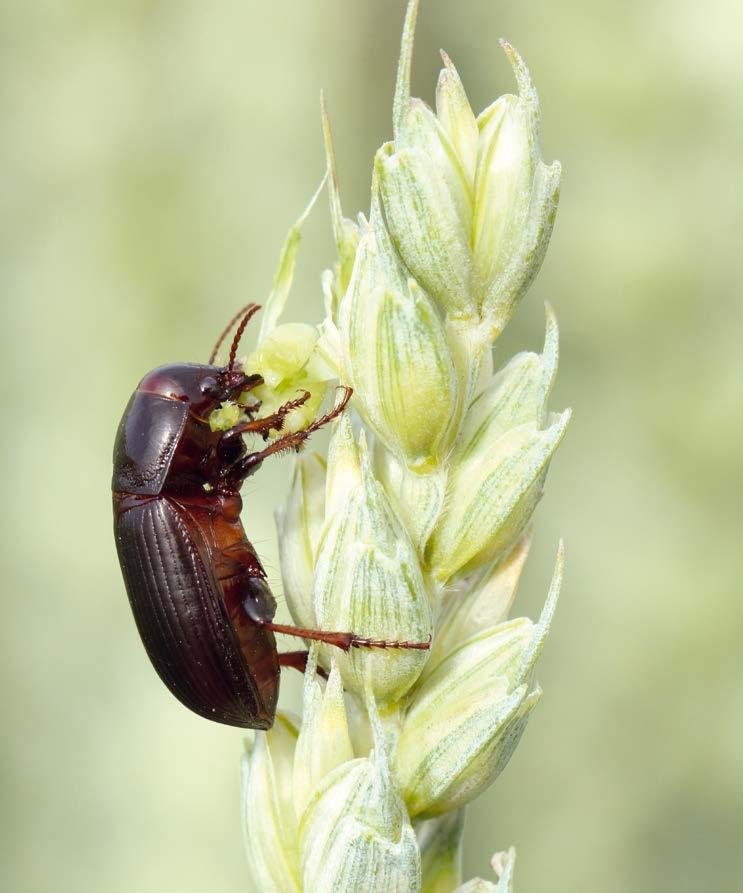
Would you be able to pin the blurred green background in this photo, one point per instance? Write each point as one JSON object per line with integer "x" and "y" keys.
{"x": 153, "y": 156}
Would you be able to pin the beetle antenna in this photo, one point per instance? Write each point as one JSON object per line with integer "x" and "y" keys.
{"x": 227, "y": 329}
{"x": 251, "y": 311}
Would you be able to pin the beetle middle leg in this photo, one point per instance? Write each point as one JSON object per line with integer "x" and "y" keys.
{"x": 298, "y": 661}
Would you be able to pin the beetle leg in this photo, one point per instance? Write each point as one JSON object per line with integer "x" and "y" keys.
{"x": 250, "y": 409}
{"x": 298, "y": 660}
{"x": 264, "y": 425}
{"x": 344, "y": 641}
{"x": 248, "y": 464}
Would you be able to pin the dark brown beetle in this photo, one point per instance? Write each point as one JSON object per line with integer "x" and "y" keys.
{"x": 195, "y": 584}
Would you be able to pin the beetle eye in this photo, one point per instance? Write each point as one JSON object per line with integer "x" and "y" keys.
{"x": 209, "y": 387}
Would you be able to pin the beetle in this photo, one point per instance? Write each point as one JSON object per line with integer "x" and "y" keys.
{"x": 196, "y": 586}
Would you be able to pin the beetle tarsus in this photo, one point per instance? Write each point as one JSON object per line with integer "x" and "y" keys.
{"x": 359, "y": 642}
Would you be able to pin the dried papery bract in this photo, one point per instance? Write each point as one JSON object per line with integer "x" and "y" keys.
{"x": 503, "y": 867}
{"x": 421, "y": 519}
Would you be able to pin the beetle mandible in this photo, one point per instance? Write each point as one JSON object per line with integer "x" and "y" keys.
{"x": 195, "y": 584}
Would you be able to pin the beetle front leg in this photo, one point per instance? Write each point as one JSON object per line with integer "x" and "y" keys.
{"x": 263, "y": 426}
{"x": 246, "y": 466}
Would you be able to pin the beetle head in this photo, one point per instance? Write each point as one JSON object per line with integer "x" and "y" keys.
{"x": 203, "y": 387}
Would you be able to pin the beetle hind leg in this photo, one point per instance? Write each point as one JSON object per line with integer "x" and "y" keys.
{"x": 343, "y": 640}
{"x": 260, "y": 609}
